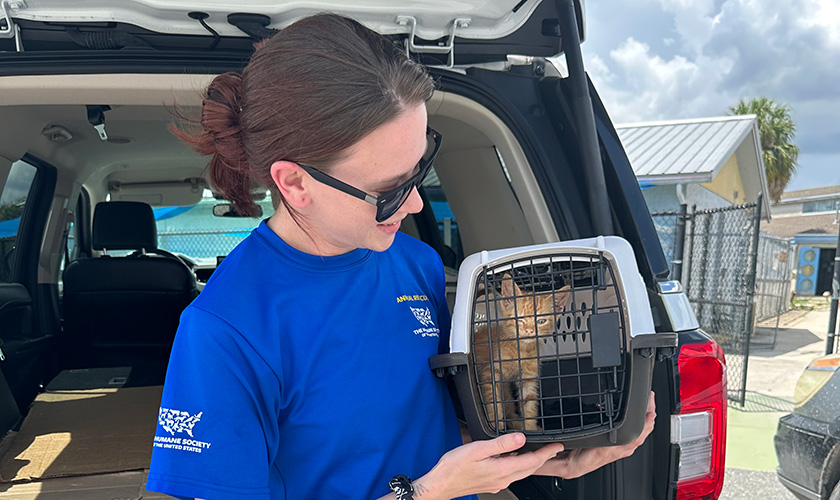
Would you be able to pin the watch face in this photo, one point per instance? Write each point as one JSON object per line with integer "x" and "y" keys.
{"x": 809, "y": 255}
{"x": 401, "y": 486}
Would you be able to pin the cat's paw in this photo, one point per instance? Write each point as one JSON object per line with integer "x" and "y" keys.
{"x": 531, "y": 425}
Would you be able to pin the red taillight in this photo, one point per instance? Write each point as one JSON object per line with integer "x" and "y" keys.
{"x": 700, "y": 428}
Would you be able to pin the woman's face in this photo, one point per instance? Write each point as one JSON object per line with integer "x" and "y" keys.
{"x": 382, "y": 160}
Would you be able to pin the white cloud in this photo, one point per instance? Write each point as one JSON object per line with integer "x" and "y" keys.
{"x": 746, "y": 48}
{"x": 598, "y": 70}
{"x": 704, "y": 55}
{"x": 825, "y": 14}
{"x": 694, "y": 20}
{"x": 643, "y": 86}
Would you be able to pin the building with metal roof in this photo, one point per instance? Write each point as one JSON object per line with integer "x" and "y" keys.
{"x": 708, "y": 162}
{"x": 812, "y": 218}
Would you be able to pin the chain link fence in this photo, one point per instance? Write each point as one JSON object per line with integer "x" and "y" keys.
{"x": 734, "y": 275}
{"x": 720, "y": 283}
{"x": 773, "y": 284}
{"x": 202, "y": 244}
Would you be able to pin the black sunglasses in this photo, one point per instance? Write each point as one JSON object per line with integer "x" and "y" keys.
{"x": 390, "y": 201}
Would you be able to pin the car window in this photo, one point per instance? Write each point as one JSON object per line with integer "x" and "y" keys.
{"x": 195, "y": 232}
{"x": 446, "y": 223}
{"x": 71, "y": 248}
{"x": 16, "y": 189}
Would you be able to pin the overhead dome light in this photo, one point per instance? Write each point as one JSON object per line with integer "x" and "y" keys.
{"x": 57, "y": 133}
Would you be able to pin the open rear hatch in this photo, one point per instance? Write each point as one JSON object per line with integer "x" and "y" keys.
{"x": 460, "y": 33}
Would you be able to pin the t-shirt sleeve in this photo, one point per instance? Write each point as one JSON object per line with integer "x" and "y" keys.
{"x": 217, "y": 425}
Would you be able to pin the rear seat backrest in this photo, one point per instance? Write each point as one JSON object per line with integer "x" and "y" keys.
{"x": 123, "y": 311}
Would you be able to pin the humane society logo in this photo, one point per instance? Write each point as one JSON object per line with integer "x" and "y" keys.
{"x": 174, "y": 421}
{"x": 424, "y": 316}
{"x": 177, "y": 422}
{"x": 421, "y": 314}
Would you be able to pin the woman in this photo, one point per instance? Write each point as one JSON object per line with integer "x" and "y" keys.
{"x": 296, "y": 372}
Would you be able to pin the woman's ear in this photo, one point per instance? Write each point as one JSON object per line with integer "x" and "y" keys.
{"x": 291, "y": 182}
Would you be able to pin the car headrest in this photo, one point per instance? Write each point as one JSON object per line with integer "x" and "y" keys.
{"x": 124, "y": 225}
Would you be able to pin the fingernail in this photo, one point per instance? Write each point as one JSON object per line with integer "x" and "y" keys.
{"x": 519, "y": 438}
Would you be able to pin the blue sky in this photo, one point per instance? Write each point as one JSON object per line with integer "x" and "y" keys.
{"x": 673, "y": 59}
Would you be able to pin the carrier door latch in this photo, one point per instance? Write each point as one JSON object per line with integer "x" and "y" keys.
{"x": 446, "y": 48}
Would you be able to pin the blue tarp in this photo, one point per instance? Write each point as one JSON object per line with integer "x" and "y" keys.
{"x": 9, "y": 228}
{"x": 441, "y": 210}
{"x": 169, "y": 212}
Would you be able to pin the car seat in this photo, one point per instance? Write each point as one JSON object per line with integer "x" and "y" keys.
{"x": 124, "y": 311}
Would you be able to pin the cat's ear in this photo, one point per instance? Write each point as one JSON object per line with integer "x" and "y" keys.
{"x": 561, "y": 297}
{"x": 508, "y": 289}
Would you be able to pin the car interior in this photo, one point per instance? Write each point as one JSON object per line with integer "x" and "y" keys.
{"x": 113, "y": 299}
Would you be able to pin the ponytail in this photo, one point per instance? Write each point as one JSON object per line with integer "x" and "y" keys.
{"x": 221, "y": 136}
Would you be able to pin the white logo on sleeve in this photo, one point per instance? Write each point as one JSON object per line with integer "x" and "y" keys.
{"x": 176, "y": 422}
{"x": 424, "y": 316}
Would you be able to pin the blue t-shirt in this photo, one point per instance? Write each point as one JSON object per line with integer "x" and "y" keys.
{"x": 298, "y": 376}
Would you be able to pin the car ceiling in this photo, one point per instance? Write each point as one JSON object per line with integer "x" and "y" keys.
{"x": 139, "y": 113}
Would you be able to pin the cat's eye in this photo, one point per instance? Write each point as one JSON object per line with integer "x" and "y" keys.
{"x": 542, "y": 321}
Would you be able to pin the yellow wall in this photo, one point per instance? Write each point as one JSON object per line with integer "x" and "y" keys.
{"x": 727, "y": 183}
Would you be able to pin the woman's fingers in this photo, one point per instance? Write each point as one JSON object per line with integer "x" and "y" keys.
{"x": 510, "y": 468}
{"x": 491, "y": 465}
{"x": 500, "y": 445}
{"x": 583, "y": 461}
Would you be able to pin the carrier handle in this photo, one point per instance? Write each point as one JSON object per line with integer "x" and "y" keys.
{"x": 448, "y": 364}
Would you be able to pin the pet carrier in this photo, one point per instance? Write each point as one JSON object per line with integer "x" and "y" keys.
{"x": 556, "y": 340}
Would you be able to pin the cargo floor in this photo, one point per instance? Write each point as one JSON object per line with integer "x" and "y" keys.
{"x": 82, "y": 441}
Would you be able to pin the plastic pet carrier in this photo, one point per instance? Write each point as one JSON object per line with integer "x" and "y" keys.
{"x": 554, "y": 340}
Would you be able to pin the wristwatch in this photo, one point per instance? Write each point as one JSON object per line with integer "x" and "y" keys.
{"x": 401, "y": 486}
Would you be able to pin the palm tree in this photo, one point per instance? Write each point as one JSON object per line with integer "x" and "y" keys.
{"x": 776, "y": 130}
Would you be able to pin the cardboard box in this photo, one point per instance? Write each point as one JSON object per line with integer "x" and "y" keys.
{"x": 81, "y": 432}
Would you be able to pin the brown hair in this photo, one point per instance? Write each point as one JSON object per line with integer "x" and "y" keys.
{"x": 309, "y": 93}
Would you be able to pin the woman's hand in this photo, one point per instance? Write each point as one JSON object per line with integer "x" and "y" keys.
{"x": 490, "y": 466}
{"x": 579, "y": 462}
{"x": 482, "y": 467}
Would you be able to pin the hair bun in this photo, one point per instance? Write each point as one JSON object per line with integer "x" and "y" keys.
{"x": 220, "y": 119}
{"x": 221, "y": 108}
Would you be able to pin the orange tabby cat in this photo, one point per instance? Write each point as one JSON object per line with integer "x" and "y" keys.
{"x": 514, "y": 352}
